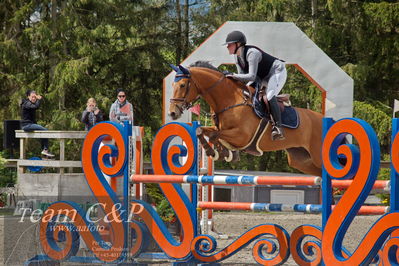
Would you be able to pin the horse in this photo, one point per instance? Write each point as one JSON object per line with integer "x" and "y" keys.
{"x": 236, "y": 121}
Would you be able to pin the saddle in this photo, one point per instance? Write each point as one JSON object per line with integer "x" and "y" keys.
{"x": 283, "y": 102}
{"x": 282, "y": 99}
{"x": 249, "y": 93}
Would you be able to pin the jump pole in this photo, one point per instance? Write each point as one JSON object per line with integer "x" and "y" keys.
{"x": 249, "y": 180}
{"x": 277, "y": 207}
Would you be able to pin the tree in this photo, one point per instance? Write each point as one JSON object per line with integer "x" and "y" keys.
{"x": 69, "y": 51}
{"x": 78, "y": 49}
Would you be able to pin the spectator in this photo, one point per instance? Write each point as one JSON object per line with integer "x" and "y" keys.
{"x": 28, "y": 113}
{"x": 121, "y": 110}
{"x": 91, "y": 115}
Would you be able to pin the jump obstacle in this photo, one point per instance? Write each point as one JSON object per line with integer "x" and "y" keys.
{"x": 276, "y": 207}
{"x": 272, "y": 243}
{"x": 251, "y": 180}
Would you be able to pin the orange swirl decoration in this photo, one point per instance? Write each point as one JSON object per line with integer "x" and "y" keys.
{"x": 363, "y": 165}
{"x": 95, "y": 162}
{"x": 203, "y": 245}
{"x": 390, "y": 253}
{"x": 308, "y": 253}
{"x": 165, "y": 160}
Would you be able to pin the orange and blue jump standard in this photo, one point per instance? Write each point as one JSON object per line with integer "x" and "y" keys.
{"x": 131, "y": 223}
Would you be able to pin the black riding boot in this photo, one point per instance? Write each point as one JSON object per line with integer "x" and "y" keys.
{"x": 277, "y": 131}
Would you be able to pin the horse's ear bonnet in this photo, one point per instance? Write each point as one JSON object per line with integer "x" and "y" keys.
{"x": 184, "y": 70}
{"x": 175, "y": 68}
{"x": 181, "y": 72}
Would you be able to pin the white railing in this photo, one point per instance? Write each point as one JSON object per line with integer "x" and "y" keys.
{"x": 50, "y": 134}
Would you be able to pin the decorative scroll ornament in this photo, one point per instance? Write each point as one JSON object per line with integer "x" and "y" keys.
{"x": 305, "y": 245}
{"x": 204, "y": 245}
{"x": 166, "y": 159}
{"x": 362, "y": 164}
{"x": 95, "y": 163}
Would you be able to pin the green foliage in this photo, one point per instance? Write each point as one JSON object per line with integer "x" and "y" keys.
{"x": 162, "y": 205}
{"x": 364, "y": 34}
{"x": 385, "y": 174}
{"x": 2, "y": 161}
{"x": 303, "y": 93}
{"x": 8, "y": 176}
{"x": 165, "y": 211}
{"x": 379, "y": 121}
{"x": 82, "y": 49}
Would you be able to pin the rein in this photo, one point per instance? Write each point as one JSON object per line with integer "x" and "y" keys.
{"x": 233, "y": 106}
{"x": 186, "y": 105}
{"x": 211, "y": 87}
{"x": 216, "y": 117}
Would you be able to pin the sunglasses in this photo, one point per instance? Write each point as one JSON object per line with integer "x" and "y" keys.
{"x": 121, "y": 96}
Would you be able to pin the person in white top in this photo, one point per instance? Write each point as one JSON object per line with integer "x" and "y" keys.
{"x": 261, "y": 69}
{"x": 121, "y": 110}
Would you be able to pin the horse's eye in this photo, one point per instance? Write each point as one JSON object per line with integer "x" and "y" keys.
{"x": 182, "y": 85}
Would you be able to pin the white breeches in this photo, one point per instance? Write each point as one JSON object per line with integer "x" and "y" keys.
{"x": 276, "y": 79}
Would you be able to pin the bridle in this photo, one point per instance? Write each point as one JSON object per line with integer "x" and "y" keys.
{"x": 186, "y": 104}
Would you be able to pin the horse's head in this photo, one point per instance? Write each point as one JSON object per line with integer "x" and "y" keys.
{"x": 183, "y": 95}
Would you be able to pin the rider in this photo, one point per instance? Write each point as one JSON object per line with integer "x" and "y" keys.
{"x": 254, "y": 65}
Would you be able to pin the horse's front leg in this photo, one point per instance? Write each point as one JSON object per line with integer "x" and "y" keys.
{"x": 201, "y": 133}
{"x": 211, "y": 132}
{"x": 207, "y": 131}
{"x": 224, "y": 153}
{"x": 221, "y": 151}
{"x": 230, "y": 136}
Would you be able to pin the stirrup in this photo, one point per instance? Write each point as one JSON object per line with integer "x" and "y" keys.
{"x": 277, "y": 133}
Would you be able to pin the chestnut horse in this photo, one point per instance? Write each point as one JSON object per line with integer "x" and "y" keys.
{"x": 236, "y": 121}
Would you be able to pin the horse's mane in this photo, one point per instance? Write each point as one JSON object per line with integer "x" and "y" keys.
{"x": 204, "y": 64}
{"x": 208, "y": 65}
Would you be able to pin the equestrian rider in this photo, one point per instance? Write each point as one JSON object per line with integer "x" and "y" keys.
{"x": 254, "y": 65}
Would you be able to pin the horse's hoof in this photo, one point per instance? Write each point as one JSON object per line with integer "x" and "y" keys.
{"x": 216, "y": 156}
{"x": 209, "y": 151}
{"x": 228, "y": 159}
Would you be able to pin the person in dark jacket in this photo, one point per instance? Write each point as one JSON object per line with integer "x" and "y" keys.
{"x": 257, "y": 66}
{"x": 91, "y": 115}
{"x": 28, "y": 122}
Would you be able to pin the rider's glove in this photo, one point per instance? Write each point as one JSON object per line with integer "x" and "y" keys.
{"x": 227, "y": 73}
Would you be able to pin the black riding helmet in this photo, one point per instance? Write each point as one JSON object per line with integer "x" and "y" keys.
{"x": 236, "y": 36}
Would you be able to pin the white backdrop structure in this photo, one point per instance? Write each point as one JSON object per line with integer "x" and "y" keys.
{"x": 283, "y": 40}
